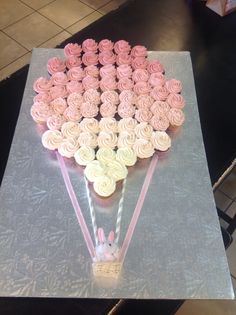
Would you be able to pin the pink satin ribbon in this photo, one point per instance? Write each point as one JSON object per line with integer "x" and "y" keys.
{"x": 134, "y": 220}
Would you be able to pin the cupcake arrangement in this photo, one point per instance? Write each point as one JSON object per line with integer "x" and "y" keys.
{"x": 106, "y": 105}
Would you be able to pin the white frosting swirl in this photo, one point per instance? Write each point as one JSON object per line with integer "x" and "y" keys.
{"x": 161, "y": 140}
{"x": 108, "y": 124}
{"x": 84, "y": 155}
{"x": 70, "y": 129}
{"x": 107, "y": 139}
{"x": 105, "y": 155}
{"x": 126, "y": 139}
{"x": 51, "y": 139}
{"x": 104, "y": 186}
{"x": 92, "y": 96}
{"x": 94, "y": 169}
{"x": 116, "y": 170}
{"x": 87, "y": 138}
{"x": 127, "y": 124}
{"x": 90, "y": 125}
{"x": 75, "y": 100}
{"x": 68, "y": 147}
{"x": 143, "y": 148}
{"x": 126, "y": 156}
{"x": 143, "y": 130}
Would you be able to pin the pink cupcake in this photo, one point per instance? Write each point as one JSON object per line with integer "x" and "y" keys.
{"x": 108, "y": 110}
{"x": 92, "y": 70}
{"x": 72, "y": 50}
{"x": 139, "y": 51}
{"x": 42, "y": 85}
{"x": 155, "y": 66}
{"x": 108, "y": 70}
{"x": 74, "y": 86}
{"x": 105, "y": 45}
{"x": 56, "y": 64}
{"x": 106, "y": 58}
{"x": 89, "y": 45}
{"x": 139, "y": 63}
{"x": 122, "y": 46}
{"x": 59, "y": 78}
{"x": 90, "y": 58}
{"x": 126, "y": 110}
{"x": 124, "y": 71}
{"x": 72, "y": 62}
{"x": 108, "y": 83}
{"x": 123, "y": 59}
{"x": 143, "y": 115}
{"x": 90, "y": 83}
{"x": 125, "y": 84}
{"x": 75, "y": 74}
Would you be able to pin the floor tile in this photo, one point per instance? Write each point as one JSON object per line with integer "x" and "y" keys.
{"x": 231, "y": 211}
{"x": 66, "y": 12}
{"x": 56, "y": 40}
{"x": 229, "y": 185}
{"x": 221, "y": 200}
{"x": 14, "y": 66}
{"x": 95, "y": 3}
{"x": 40, "y": 30}
{"x": 37, "y": 4}
{"x": 12, "y": 11}
{"x": 231, "y": 255}
{"x": 111, "y": 6}
{"x": 84, "y": 22}
{"x": 10, "y": 50}
{"x": 208, "y": 307}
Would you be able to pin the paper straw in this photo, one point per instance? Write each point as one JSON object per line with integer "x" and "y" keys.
{"x": 138, "y": 208}
{"x": 92, "y": 213}
{"x": 74, "y": 201}
{"x": 119, "y": 212}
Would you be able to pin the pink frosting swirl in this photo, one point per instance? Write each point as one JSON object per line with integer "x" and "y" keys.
{"x": 176, "y": 100}
{"x": 89, "y": 110}
{"x": 128, "y": 96}
{"x": 144, "y": 101}
{"x": 75, "y": 74}
{"x": 58, "y": 91}
{"x": 40, "y": 112}
{"x": 139, "y": 51}
{"x": 107, "y": 58}
{"x": 159, "y": 107}
{"x": 157, "y": 79}
{"x": 72, "y": 50}
{"x": 140, "y": 75}
{"x": 108, "y": 83}
{"x": 174, "y": 86}
{"x": 74, "y": 86}
{"x": 90, "y": 58}
{"x": 72, "y": 114}
{"x": 143, "y": 115}
{"x": 59, "y": 78}
{"x": 176, "y": 117}
{"x": 107, "y": 110}
{"x": 142, "y": 87}
{"x": 92, "y": 71}
{"x": 108, "y": 70}
{"x": 110, "y": 97}
{"x": 92, "y": 96}
{"x": 42, "y": 85}
{"x": 43, "y": 96}
{"x": 89, "y": 45}
{"x": 123, "y": 59}
{"x": 56, "y": 64}
{"x": 73, "y": 61}
{"x": 139, "y": 63}
{"x": 124, "y": 71}
{"x": 122, "y": 46}
{"x": 58, "y": 105}
{"x": 159, "y": 93}
{"x": 105, "y": 45}
{"x": 55, "y": 122}
{"x": 90, "y": 83}
{"x": 125, "y": 84}
{"x": 155, "y": 66}
{"x": 75, "y": 100}
{"x": 159, "y": 122}
{"x": 126, "y": 110}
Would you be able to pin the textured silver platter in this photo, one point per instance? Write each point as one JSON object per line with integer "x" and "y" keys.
{"x": 176, "y": 252}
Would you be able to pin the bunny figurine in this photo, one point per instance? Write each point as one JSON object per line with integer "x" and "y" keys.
{"x": 107, "y": 249}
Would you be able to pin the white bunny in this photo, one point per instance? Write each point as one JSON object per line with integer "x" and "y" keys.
{"x": 106, "y": 250}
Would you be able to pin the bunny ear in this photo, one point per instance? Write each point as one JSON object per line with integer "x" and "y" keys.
{"x": 101, "y": 235}
{"x": 111, "y": 237}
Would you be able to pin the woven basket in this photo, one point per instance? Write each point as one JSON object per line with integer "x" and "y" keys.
{"x": 107, "y": 269}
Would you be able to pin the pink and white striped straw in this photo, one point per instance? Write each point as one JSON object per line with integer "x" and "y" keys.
{"x": 138, "y": 208}
{"x": 75, "y": 203}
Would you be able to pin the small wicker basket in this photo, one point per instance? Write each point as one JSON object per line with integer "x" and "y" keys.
{"x": 107, "y": 269}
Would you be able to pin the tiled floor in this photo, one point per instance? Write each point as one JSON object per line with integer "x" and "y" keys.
{"x": 225, "y": 198}
{"x": 50, "y": 21}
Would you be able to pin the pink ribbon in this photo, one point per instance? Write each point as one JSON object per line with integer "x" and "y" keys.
{"x": 75, "y": 203}
{"x": 138, "y": 207}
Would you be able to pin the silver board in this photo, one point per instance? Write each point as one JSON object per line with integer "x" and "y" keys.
{"x": 177, "y": 250}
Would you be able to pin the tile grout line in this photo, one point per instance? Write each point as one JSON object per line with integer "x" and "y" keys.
{"x": 98, "y": 7}
{"x": 18, "y": 20}
{"x": 38, "y": 8}
{"x": 81, "y": 20}
{"x": 53, "y": 37}
{"x": 14, "y": 61}
{"x": 16, "y": 41}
